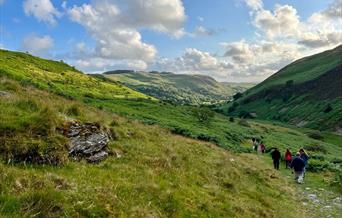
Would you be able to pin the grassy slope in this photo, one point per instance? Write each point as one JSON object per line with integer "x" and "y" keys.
{"x": 159, "y": 174}
{"x": 305, "y": 109}
{"x": 179, "y": 88}
{"x": 60, "y": 78}
{"x": 303, "y": 70}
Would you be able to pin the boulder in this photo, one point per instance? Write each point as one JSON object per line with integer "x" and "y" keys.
{"x": 87, "y": 141}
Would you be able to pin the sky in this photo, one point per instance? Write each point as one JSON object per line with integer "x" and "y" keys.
{"x": 230, "y": 40}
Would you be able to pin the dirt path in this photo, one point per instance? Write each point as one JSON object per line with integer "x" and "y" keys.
{"x": 320, "y": 202}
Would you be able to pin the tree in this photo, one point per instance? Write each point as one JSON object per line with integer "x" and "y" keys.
{"x": 237, "y": 96}
{"x": 204, "y": 115}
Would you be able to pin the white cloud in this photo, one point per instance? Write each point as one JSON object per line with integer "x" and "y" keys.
{"x": 334, "y": 11}
{"x": 194, "y": 61}
{"x": 38, "y": 45}
{"x": 115, "y": 27}
{"x": 42, "y": 10}
{"x": 202, "y": 31}
{"x": 254, "y": 4}
{"x": 283, "y": 22}
{"x": 281, "y": 38}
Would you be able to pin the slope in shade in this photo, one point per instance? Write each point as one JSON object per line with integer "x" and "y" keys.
{"x": 305, "y": 93}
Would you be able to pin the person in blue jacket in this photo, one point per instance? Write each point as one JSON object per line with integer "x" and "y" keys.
{"x": 298, "y": 166}
{"x": 305, "y": 157}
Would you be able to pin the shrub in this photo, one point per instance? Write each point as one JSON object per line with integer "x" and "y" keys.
{"x": 231, "y": 119}
{"x": 244, "y": 122}
{"x": 245, "y": 114}
{"x": 336, "y": 160}
{"x": 328, "y": 109}
{"x": 317, "y": 165}
{"x": 316, "y": 148}
{"x": 231, "y": 109}
{"x": 315, "y": 135}
{"x": 337, "y": 181}
{"x": 73, "y": 111}
{"x": 237, "y": 95}
{"x": 203, "y": 115}
{"x": 317, "y": 157}
{"x": 43, "y": 123}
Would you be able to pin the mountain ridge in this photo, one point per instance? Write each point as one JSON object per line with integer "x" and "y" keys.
{"x": 178, "y": 88}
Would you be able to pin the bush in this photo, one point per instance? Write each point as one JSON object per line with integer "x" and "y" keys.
{"x": 317, "y": 165}
{"x": 237, "y": 95}
{"x": 337, "y": 181}
{"x": 328, "y": 109}
{"x": 316, "y": 148}
{"x": 231, "y": 109}
{"x": 231, "y": 119}
{"x": 204, "y": 115}
{"x": 317, "y": 157}
{"x": 336, "y": 160}
{"x": 73, "y": 111}
{"x": 244, "y": 122}
{"x": 315, "y": 135}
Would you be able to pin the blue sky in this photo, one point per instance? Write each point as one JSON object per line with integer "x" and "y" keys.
{"x": 231, "y": 40}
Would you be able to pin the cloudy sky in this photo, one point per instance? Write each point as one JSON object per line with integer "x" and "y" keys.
{"x": 231, "y": 40}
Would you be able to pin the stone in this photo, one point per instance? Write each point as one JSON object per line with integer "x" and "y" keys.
{"x": 87, "y": 141}
{"x": 97, "y": 157}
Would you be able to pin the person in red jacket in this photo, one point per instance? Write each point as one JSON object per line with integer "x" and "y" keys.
{"x": 288, "y": 158}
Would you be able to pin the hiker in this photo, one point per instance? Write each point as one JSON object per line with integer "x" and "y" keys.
{"x": 298, "y": 166}
{"x": 262, "y": 148}
{"x": 288, "y": 158}
{"x": 255, "y": 144}
{"x": 276, "y": 158}
{"x": 305, "y": 157}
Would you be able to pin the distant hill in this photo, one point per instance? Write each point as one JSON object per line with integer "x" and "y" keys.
{"x": 307, "y": 93}
{"x": 178, "y": 88}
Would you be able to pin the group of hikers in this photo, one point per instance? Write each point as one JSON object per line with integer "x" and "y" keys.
{"x": 298, "y": 162}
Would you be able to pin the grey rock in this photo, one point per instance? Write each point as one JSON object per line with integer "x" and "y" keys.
{"x": 87, "y": 141}
{"x": 97, "y": 157}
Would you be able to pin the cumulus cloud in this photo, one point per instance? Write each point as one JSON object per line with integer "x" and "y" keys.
{"x": 115, "y": 27}
{"x": 282, "y": 37}
{"x": 284, "y": 21}
{"x": 42, "y": 10}
{"x": 334, "y": 11}
{"x": 194, "y": 61}
{"x": 38, "y": 45}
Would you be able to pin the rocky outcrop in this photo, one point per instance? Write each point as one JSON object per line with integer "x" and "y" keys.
{"x": 87, "y": 141}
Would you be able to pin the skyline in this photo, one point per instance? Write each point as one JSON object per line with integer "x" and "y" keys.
{"x": 234, "y": 41}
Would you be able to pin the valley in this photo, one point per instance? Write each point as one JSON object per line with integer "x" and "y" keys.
{"x": 165, "y": 160}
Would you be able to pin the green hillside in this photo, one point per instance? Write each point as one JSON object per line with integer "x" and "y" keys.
{"x": 306, "y": 93}
{"x": 152, "y": 171}
{"x": 178, "y": 88}
{"x": 60, "y": 78}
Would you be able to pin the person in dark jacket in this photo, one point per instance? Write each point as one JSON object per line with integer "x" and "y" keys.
{"x": 298, "y": 166}
{"x": 305, "y": 157}
{"x": 276, "y": 158}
